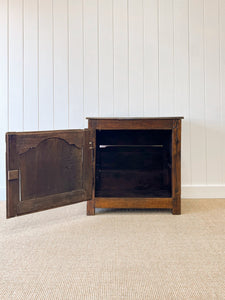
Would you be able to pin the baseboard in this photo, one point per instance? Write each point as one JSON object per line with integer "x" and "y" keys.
{"x": 203, "y": 191}
{"x": 188, "y": 191}
{"x": 2, "y": 193}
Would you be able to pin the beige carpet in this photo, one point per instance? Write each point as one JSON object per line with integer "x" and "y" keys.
{"x": 63, "y": 254}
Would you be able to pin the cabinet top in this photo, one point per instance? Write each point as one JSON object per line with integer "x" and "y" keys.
{"x": 135, "y": 118}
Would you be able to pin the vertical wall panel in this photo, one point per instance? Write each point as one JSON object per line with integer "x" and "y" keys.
{"x": 197, "y": 93}
{"x": 120, "y": 23}
{"x": 30, "y": 65}
{"x": 60, "y": 43}
{"x": 151, "y": 58}
{"x": 212, "y": 93}
{"x": 222, "y": 81}
{"x": 46, "y": 104}
{"x": 16, "y": 88}
{"x": 3, "y": 91}
{"x": 76, "y": 113}
{"x": 136, "y": 93}
{"x": 63, "y": 60}
{"x": 91, "y": 58}
{"x": 181, "y": 81}
{"x": 105, "y": 58}
{"x": 166, "y": 56}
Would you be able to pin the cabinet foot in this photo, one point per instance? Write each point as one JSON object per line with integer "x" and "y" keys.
{"x": 90, "y": 208}
{"x": 176, "y": 211}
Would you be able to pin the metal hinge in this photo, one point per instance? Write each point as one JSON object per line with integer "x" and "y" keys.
{"x": 13, "y": 174}
{"x": 91, "y": 147}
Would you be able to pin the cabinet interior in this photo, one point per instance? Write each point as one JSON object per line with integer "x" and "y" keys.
{"x": 133, "y": 163}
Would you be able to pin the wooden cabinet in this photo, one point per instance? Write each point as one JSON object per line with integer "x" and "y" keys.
{"x": 115, "y": 163}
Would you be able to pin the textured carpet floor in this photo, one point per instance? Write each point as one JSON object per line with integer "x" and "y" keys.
{"x": 151, "y": 254}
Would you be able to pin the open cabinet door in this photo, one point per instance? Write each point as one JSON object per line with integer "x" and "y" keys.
{"x": 47, "y": 169}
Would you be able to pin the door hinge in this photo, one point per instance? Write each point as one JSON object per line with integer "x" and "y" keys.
{"x": 92, "y": 148}
{"x": 13, "y": 174}
{"x": 91, "y": 145}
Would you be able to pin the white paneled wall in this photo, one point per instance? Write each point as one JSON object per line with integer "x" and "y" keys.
{"x": 63, "y": 60}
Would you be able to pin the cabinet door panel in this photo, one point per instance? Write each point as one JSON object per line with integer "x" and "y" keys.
{"x": 47, "y": 169}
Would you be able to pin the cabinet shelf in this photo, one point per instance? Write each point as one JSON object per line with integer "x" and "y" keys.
{"x": 130, "y": 146}
{"x": 128, "y": 170}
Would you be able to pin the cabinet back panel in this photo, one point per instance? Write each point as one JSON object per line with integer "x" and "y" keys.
{"x": 133, "y": 163}
{"x": 133, "y": 137}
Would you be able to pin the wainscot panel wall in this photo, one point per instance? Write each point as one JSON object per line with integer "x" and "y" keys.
{"x": 63, "y": 60}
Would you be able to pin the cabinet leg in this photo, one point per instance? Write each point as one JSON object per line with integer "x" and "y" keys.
{"x": 90, "y": 208}
{"x": 176, "y": 210}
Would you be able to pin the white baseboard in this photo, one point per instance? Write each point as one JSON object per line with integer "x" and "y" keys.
{"x": 188, "y": 191}
{"x": 2, "y": 193}
{"x": 203, "y": 191}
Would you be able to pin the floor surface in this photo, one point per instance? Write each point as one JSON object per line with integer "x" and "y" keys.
{"x": 116, "y": 254}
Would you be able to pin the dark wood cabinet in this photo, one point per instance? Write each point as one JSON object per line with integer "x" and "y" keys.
{"x": 115, "y": 163}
